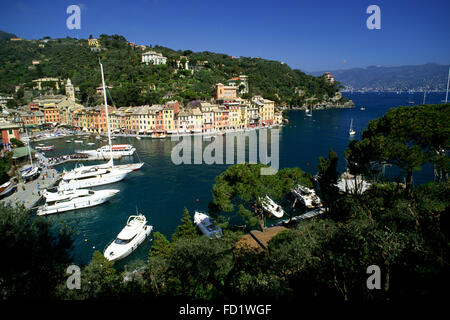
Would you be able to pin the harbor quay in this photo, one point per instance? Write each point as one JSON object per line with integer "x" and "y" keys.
{"x": 29, "y": 194}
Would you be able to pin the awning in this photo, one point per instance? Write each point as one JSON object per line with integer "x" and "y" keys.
{"x": 21, "y": 152}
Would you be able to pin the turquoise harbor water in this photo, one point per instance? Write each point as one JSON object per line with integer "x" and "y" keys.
{"x": 161, "y": 189}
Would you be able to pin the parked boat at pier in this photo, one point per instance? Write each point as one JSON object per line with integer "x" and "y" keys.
{"x": 307, "y": 196}
{"x": 204, "y": 223}
{"x": 117, "y": 149}
{"x": 6, "y": 188}
{"x": 272, "y": 208}
{"x": 45, "y": 148}
{"x": 92, "y": 176}
{"x": 67, "y": 200}
{"x": 132, "y": 235}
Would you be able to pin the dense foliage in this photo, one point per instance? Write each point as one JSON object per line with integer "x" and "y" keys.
{"x": 407, "y": 137}
{"x": 135, "y": 83}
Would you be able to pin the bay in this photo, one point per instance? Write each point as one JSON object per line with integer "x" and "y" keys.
{"x": 161, "y": 189}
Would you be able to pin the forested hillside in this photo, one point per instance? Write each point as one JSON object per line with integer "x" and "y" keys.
{"x": 135, "y": 83}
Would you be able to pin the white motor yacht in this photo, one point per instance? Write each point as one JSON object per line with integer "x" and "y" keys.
{"x": 62, "y": 201}
{"x": 307, "y": 196}
{"x": 206, "y": 226}
{"x": 110, "y": 164}
{"x": 86, "y": 177}
{"x": 117, "y": 149}
{"x": 272, "y": 208}
{"x": 132, "y": 235}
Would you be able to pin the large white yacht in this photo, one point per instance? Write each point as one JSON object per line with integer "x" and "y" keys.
{"x": 272, "y": 208}
{"x": 204, "y": 223}
{"x": 97, "y": 175}
{"x": 62, "y": 201}
{"x": 82, "y": 177}
{"x": 122, "y": 149}
{"x": 110, "y": 164}
{"x": 132, "y": 235}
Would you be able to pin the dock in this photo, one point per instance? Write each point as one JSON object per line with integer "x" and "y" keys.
{"x": 29, "y": 194}
{"x": 259, "y": 241}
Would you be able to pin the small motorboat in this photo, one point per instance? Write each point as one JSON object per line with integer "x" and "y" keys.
{"x": 67, "y": 200}
{"x": 138, "y": 138}
{"x": 362, "y": 108}
{"x": 307, "y": 196}
{"x": 6, "y": 188}
{"x": 45, "y": 148}
{"x": 204, "y": 223}
{"x": 272, "y": 208}
{"x": 78, "y": 141}
{"x": 132, "y": 235}
{"x": 91, "y": 143}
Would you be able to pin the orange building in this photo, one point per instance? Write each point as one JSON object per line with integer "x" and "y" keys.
{"x": 51, "y": 114}
{"x": 223, "y": 92}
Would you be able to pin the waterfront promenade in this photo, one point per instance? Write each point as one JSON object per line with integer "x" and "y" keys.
{"x": 28, "y": 194}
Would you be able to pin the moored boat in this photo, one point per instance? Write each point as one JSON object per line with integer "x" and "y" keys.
{"x": 117, "y": 149}
{"x": 45, "y": 148}
{"x": 132, "y": 235}
{"x": 86, "y": 177}
{"x": 206, "y": 226}
{"x": 272, "y": 208}
{"x": 6, "y": 188}
{"x": 307, "y": 196}
{"x": 67, "y": 200}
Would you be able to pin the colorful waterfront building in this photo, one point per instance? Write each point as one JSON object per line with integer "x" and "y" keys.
{"x": 9, "y": 130}
{"x": 207, "y": 116}
{"x": 221, "y": 116}
{"x": 32, "y": 119}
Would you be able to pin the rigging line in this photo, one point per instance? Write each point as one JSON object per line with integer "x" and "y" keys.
{"x": 114, "y": 104}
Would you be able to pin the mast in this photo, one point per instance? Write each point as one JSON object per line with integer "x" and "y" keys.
{"x": 424, "y": 96}
{"x": 448, "y": 81}
{"x": 107, "y": 117}
{"x": 29, "y": 152}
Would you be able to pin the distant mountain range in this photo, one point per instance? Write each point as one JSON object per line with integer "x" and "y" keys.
{"x": 430, "y": 77}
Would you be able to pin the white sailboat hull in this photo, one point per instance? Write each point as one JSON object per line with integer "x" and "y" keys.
{"x": 98, "y": 180}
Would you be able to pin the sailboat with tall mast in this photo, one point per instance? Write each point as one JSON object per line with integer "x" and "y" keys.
{"x": 32, "y": 171}
{"x": 448, "y": 82}
{"x": 91, "y": 176}
{"x": 351, "y": 131}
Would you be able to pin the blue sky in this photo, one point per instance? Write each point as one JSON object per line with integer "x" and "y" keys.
{"x": 310, "y": 35}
